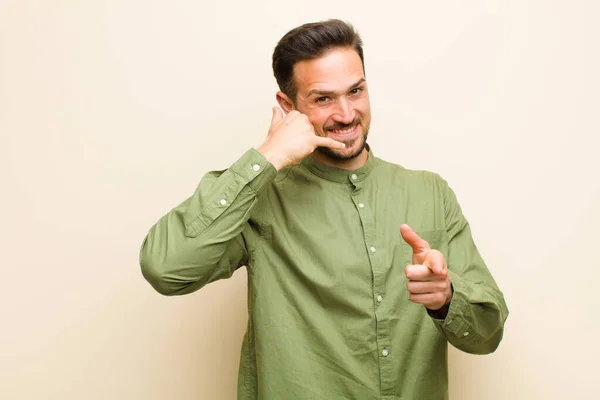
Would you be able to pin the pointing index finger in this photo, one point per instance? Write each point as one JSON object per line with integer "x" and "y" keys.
{"x": 418, "y": 245}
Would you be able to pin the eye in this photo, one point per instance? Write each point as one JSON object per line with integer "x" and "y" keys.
{"x": 355, "y": 91}
{"x": 322, "y": 100}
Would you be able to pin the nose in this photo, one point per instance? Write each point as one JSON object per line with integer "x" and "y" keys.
{"x": 344, "y": 112}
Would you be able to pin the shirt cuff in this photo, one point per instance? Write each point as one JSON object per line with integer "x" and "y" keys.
{"x": 254, "y": 169}
{"x": 456, "y": 323}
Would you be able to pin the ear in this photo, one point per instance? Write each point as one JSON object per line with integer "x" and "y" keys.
{"x": 285, "y": 102}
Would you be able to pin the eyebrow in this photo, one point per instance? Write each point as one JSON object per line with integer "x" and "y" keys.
{"x": 330, "y": 92}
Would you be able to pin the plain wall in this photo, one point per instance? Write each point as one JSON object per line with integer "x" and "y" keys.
{"x": 111, "y": 112}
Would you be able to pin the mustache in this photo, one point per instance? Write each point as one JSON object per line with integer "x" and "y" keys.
{"x": 339, "y": 125}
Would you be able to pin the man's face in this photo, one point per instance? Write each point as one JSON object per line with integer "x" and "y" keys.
{"x": 332, "y": 92}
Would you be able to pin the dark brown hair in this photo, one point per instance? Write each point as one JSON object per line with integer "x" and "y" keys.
{"x": 308, "y": 42}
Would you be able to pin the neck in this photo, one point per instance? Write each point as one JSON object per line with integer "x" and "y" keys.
{"x": 351, "y": 164}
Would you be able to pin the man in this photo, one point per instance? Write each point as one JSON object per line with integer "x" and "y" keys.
{"x": 359, "y": 271}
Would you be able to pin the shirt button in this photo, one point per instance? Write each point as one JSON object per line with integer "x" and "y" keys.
{"x": 223, "y": 202}
{"x": 379, "y": 298}
{"x": 354, "y": 176}
{"x": 256, "y": 167}
{"x": 361, "y": 205}
{"x": 373, "y": 249}
{"x": 466, "y": 334}
{"x": 385, "y": 352}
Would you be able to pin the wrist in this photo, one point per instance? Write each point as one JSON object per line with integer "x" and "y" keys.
{"x": 271, "y": 156}
{"x": 440, "y": 313}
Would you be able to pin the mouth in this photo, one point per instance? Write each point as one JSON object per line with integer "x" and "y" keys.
{"x": 344, "y": 134}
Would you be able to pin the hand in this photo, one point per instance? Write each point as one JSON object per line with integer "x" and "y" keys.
{"x": 291, "y": 138}
{"x": 428, "y": 280}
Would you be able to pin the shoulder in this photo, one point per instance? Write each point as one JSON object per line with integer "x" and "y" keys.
{"x": 287, "y": 174}
{"x": 411, "y": 177}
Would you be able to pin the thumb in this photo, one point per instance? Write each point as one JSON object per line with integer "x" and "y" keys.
{"x": 418, "y": 245}
{"x": 277, "y": 116}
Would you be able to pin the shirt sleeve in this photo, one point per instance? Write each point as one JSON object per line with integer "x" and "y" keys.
{"x": 202, "y": 239}
{"x": 477, "y": 312}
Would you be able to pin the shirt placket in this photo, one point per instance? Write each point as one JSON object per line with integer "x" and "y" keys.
{"x": 384, "y": 350}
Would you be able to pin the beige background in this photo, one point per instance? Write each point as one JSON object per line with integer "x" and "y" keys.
{"x": 111, "y": 111}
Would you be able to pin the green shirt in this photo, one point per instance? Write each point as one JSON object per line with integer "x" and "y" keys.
{"x": 329, "y": 311}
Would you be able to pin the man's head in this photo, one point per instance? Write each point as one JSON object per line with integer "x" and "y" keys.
{"x": 319, "y": 68}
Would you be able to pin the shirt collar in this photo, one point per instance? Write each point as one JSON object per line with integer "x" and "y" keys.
{"x": 339, "y": 174}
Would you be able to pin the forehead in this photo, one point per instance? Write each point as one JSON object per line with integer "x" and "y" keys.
{"x": 336, "y": 71}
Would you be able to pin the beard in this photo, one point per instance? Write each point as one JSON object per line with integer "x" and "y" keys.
{"x": 358, "y": 144}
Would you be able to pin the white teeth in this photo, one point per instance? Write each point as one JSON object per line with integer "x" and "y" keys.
{"x": 344, "y": 131}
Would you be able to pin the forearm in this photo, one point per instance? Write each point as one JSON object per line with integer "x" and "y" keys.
{"x": 475, "y": 317}
{"x": 477, "y": 312}
{"x": 201, "y": 240}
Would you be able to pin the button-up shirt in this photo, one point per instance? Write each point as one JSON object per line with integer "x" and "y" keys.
{"x": 329, "y": 311}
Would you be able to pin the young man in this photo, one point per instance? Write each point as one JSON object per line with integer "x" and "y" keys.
{"x": 359, "y": 271}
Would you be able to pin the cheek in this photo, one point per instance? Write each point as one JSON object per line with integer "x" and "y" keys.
{"x": 318, "y": 118}
{"x": 363, "y": 107}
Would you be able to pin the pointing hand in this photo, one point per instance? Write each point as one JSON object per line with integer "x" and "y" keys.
{"x": 428, "y": 280}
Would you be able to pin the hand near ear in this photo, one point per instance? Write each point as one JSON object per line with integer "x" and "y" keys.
{"x": 291, "y": 138}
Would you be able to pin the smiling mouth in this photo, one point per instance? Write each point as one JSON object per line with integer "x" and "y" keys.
{"x": 344, "y": 131}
